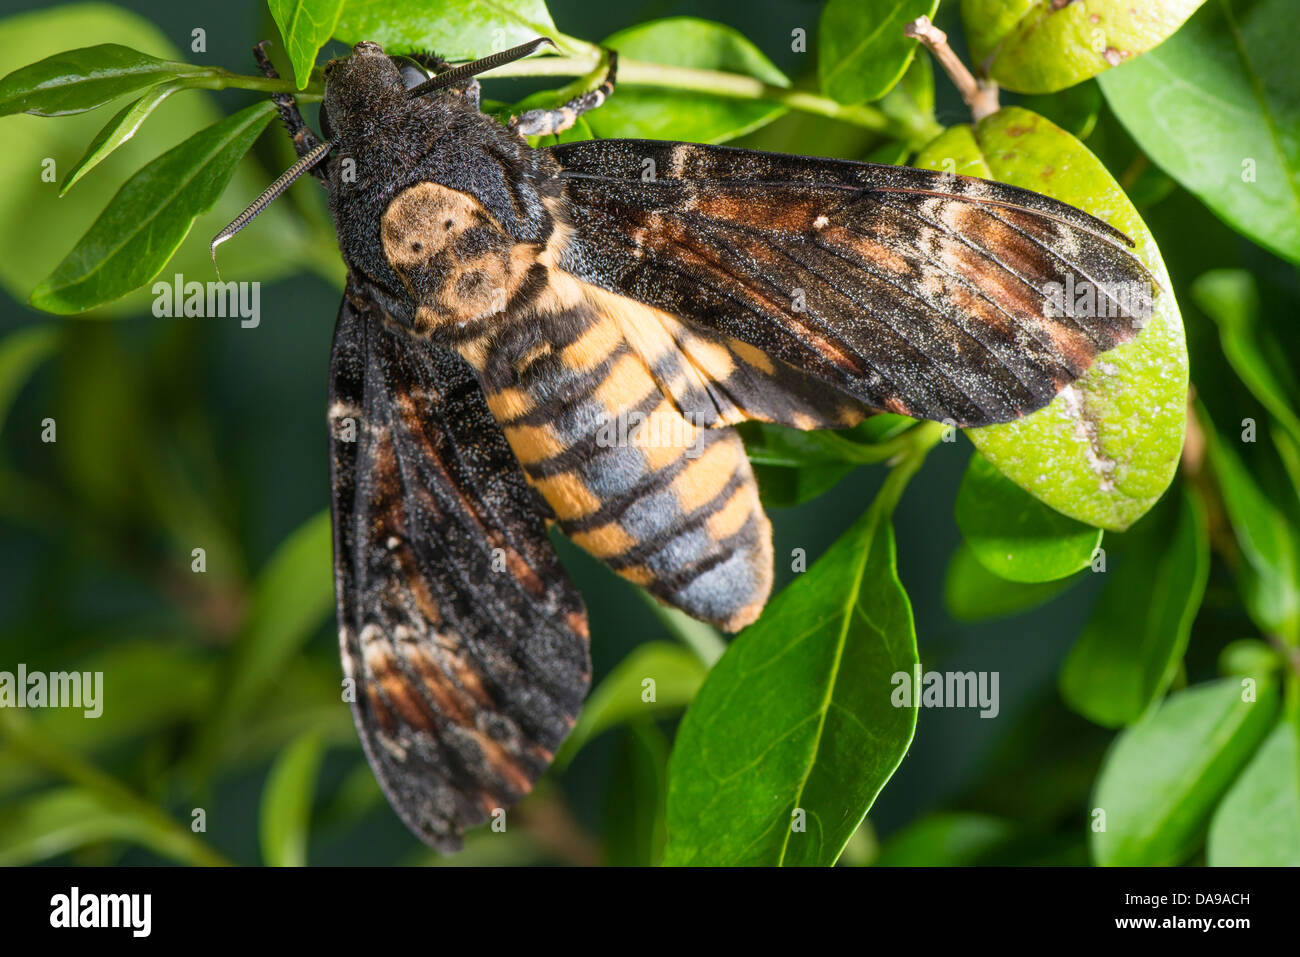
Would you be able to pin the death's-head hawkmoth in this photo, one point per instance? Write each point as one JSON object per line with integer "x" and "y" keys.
{"x": 509, "y": 310}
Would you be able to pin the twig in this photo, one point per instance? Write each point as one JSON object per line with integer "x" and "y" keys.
{"x": 980, "y": 95}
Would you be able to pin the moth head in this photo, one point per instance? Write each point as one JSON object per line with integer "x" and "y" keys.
{"x": 365, "y": 86}
{"x": 360, "y": 86}
{"x": 368, "y": 81}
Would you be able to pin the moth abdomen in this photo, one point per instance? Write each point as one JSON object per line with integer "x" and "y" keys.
{"x": 665, "y": 502}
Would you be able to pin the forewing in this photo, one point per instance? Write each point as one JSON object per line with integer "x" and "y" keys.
{"x": 929, "y": 294}
{"x": 465, "y": 641}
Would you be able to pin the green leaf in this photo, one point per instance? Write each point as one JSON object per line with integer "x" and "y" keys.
{"x": 1215, "y": 108}
{"x": 677, "y": 674}
{"x": 75, "y": 81}
{"x": 1258, "y": 822}
{"x": 456, "y": 29}
{"x": 890, "y": 153}
{"x": 293, "y": 596}
{"x": 911, "y": 101}
{"x": 57, "y": 821}
{"x": 1032, "y": 46}
{"x": 1107, "y": 447}
{"x": 135, "y": 818}
{"x": 1163, "y": 776}
{"x": 702, "y": 639}
{"x": 862, "y": 50}
{"x": 691, "y": 117}
{"x": 20, "y": 353}
{"x": 133, "y": 238}
{"x": 1248, "y": 656}
{"x": 305, "y": 26}
{"x": 117, "y": 131}
{"x": 278, "y": 243}
{"x": 793, "y": 466}
{"x": 783, "y": 485}
{"x": 153, "y": 686}
{"x": 635, "y": 831}
{"x": 1133, "y": 643}
{"x": 1013, "y": 534}
{"x": 798, "y": 715}
{"x": 973, "y": 593}
{"x": 1231, "y": 299}
{"x": 947, "y": 840}
{"x": 1074, "y": 109}
{"x": 1270, "y": 571}
{"x": 286, "y": 802}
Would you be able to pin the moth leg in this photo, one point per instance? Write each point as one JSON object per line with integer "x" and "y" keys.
{"x": 304, "y": 140}
{"x": 549, "y": 122}
{"x": 430, "y": 61}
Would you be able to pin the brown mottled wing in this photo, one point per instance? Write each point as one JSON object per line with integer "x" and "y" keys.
{"x": 466, "y": 642}
{"x": 918, "y": 292}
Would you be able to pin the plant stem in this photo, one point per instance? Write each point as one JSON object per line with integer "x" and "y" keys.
{"x": 730, "y": 85}
{"x": 219, "y": 79}
{"x": 736, "y": 86}
{"x": 923, "y": 438}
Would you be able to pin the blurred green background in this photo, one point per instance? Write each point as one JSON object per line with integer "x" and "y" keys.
{"x": 174, "y": 434}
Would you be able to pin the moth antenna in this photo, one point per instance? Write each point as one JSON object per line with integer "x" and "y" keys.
{"x": 466, "y": 70}
{"x": 268, "y": 197}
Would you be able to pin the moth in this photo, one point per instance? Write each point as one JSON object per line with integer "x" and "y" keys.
{"x": 505, "y": 304}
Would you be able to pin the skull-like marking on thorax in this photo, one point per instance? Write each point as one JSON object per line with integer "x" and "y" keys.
{"x": 456, "y": 262}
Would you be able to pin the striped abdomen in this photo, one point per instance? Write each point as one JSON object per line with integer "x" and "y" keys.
{"x": 668, "y": 505}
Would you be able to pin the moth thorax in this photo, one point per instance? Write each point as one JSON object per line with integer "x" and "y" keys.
{"x": 456, "y": 262}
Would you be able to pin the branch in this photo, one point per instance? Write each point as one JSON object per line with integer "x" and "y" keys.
{"x": 980, "y": 95}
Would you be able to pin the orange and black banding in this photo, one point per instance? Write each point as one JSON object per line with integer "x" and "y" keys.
{"x": 616, "y": 411}
{"x": 666, "y": 501}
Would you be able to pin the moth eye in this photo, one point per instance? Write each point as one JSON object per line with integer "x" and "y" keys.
{"x": 412, "y": 73}
{"x": 325, "y": 124}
